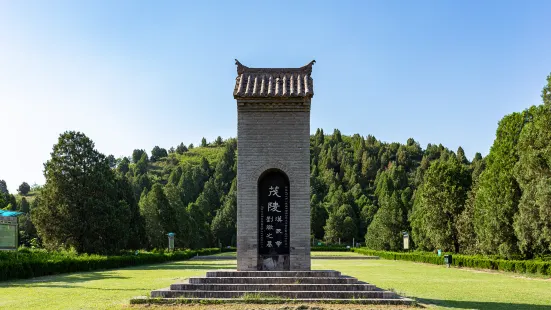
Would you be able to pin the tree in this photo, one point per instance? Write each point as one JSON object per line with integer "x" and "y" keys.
{"x": 341, "y": 225}
{"x": 218, "y": 141}
{"x": 532, "y": 223}
{"x": 546, "y": 93}
{"x": 158, "y": 153}
{"x": 224, "y": 224}
{"x": 209, "y": 200}
{"x": 192, "y": 181}
{"x": 175, "y": 175}
{"x": 226, "y": 169}
{"x": 112, "y": 161}
{"x": 384, "y": 232}
{"x": 468, "y": 239}
{"x": 78, "y": 205}
{"x": 160, "y": 217}
{"x": 200, "y": 232}
{"x": 23, "y": 205}
{"x": 498, "y": 194}
{"x": 3, "y": 187}
{"x": 203, "y": 142}
{"x": 123, "y": 166}
{"x": 136, "y": 229}
{"x": 439, "y": 202}
{"x": 140, "y": 183}
{"x": 181, "y": 148}
{"x": 318, "y": 218}
{"x": 27, "y": 231}
{"x": 190, "y": 146}
{"x": 141, "y": 165}
{"x": 367, "y": 213}
{"x": 137, "y": 155}
{"x": 24, "y": 188}
{"x": 461, "y": 156}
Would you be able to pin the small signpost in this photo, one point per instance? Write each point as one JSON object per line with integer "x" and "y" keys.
{"x": 171, "y": 241}
{"x": 406, "y": 241}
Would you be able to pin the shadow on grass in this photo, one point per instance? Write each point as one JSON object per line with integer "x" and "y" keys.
{"x": 64, "y": 278}
{"x": 457, "y": 304}
{"x": 53, "y": 285}
{"x": 172, "y": 266}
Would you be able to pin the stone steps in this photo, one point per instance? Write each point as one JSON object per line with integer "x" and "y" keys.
{"x": 168, "y": 293}
{"x": 273, "y": 280}
{"x": 261, "y": 274}
{"x": 275, "y": 286}
{"x": 173, "y": 301}
{"x": 271, "y": 287}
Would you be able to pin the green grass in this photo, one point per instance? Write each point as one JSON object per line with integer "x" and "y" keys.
{"x": 232, "y": 254}
{"x": 337, "y": 254}
{"x": 110, "y": 289}
{"x": 431, "y": 284}
{"x": 212, "y": 154}
{"x": 160, "y": 170}
{"x": 455, "y": 288}
{"x": 314, "y": 254}
{"x": 30, "y": 197}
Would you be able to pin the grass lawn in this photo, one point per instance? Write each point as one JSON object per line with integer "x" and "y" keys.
{"x": 320, "y": 253}
{"x": 430, "y": 284}
{"x": 455, "y": 288}
{"x": 109, "y": 289}
{"x": 314, "y": 254}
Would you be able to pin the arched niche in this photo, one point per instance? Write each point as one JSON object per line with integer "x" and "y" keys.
{"x": 273, "y": 220}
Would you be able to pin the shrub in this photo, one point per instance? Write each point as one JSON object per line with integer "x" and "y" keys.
{"x": 470, "y": 261}
{"x": 34, "y": 263}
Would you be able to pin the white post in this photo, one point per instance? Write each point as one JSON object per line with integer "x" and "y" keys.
{"x": 353, "y": 243}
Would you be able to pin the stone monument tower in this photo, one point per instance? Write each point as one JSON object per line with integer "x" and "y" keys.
{"x": 273, "y": 167}
{"x": 273, "y": 204}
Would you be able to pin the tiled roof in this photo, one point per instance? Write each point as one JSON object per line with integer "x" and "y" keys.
{"x": 273, "y": 82}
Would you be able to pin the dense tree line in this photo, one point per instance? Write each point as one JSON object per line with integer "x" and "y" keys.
{"x": 361, "y": 188}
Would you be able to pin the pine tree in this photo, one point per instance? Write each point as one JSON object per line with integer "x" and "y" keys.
{"x": 160, "y": 217}
{"x": 137, "y": 155}
{"x": 181, "y": 148}
{"x": 24, "y": 188}
{"x": 461, "y": 156}
{"x": 498, "y": 194}
{"x": 224, "y": 224}
{"x": 439, "y": 202}
{"x": 23, "y": 206}
{"x": 532, "y": 223}
{"x": 123, "y": 166}
{"x": 78, "y": 205}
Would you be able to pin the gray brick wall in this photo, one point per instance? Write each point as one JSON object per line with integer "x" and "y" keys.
{"x": 273, "y": 135}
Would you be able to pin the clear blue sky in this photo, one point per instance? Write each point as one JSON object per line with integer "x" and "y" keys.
{"x": 132, "y": 74}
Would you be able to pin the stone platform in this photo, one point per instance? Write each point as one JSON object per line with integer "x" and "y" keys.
{"x": 274, "y": 286}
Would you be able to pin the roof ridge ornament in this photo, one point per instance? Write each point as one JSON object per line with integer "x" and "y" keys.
{"x": 240, "y": 67}
{"x": 308, "y": 67}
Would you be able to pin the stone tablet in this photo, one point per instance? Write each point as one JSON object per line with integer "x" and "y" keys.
{"x": 273, "y": 223}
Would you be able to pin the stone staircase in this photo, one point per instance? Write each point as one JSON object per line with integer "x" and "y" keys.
{"x": 283, "y": 286}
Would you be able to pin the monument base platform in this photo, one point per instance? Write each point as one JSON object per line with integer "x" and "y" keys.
{"x": 319, "y": 286}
